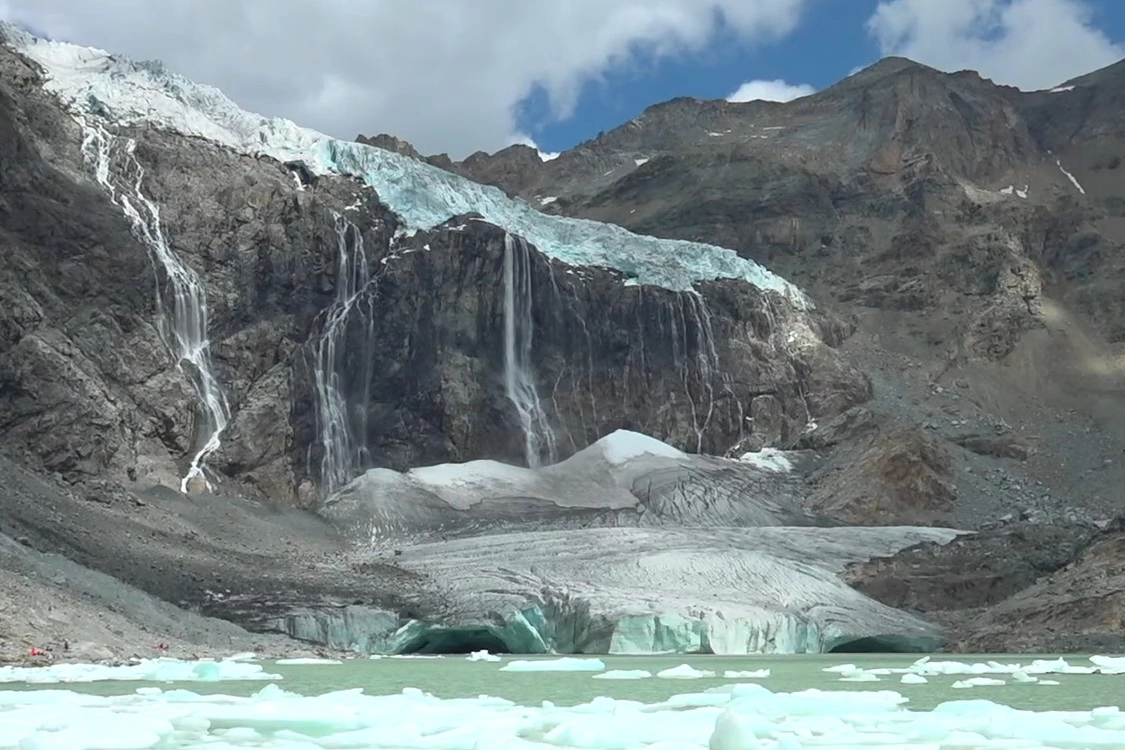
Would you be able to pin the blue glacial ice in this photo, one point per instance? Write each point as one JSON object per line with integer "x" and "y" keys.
{"x": 93, "y": 83}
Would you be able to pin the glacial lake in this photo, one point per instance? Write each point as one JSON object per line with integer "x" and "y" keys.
{"x": 427, "y": 702}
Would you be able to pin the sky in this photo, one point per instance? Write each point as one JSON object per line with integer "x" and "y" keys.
{"x": 458, "y": 76}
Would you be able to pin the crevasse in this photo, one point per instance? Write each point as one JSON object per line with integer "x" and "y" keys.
{"x": 95, "y": 83}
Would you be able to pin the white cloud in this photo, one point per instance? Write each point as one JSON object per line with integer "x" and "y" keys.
{"x": 447, "y": 75}
{"x": 1032, "y": 44}
{"x": 770, "y": 91}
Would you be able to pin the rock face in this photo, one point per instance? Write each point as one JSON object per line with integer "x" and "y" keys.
{"x": 1025, "y": 587}
{"x": 336, "y": 344}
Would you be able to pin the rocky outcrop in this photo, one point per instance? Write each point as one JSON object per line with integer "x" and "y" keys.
{"x": 1026, "y": 587}
{"x": 903, "y": 476}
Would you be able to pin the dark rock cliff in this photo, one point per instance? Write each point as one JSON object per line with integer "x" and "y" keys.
{"x": 88, "y": 386}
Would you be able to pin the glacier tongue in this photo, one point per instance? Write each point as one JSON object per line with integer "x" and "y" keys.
{"x": 94, "y": 83}
{"x": 628, "y": 546}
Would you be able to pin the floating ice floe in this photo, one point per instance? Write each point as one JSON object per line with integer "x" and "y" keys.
{"x": 624, "y": 674}
{"x": 565, "y": 664}
{"x": 145, "y": 670}
{"x": 981, "y": 674}
{"x": 684, "y": 672}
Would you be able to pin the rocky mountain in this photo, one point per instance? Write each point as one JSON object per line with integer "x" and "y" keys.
{"x": 212, "y": 323}
{"x": 972, "y": 235}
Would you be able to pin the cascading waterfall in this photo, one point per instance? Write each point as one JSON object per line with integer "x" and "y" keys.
{"x": 709, "y": 368}
{"x": 181, "y": 299}
{"x": 539, "y": 438}
{"x": 341, "y": 404}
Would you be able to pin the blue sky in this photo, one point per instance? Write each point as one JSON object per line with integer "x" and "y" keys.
{"x": 458, "y": 76}
{"x": 829, "y": 43}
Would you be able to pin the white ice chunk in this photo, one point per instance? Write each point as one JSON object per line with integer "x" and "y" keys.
{"x": 565, "y": 664}
{"x": 684, "y": 672}
{"x": 770, "y": 459}
{"x": 482, "y": 656}
{"x": 624, "y": 674}
{"x": 149, "y": 670}
{"x": 621, "y": 446}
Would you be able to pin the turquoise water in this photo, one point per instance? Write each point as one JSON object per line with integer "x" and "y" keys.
{"x": 456, "y": 677}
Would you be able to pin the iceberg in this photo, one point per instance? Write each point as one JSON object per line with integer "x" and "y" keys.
{"x": 119, "y": 92}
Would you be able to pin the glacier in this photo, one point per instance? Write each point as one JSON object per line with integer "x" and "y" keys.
{"x": 629, "y": 546}
{"x": 640, "y": 591}
{"x": 624, "y": 478}
{"x": 95, "y": 84}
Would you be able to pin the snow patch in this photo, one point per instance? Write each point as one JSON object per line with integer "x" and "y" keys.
{"x": 469, "y": 475}
{"x": 622, "y": 446}
{"x": 1072, "y": 178}
{"x": 768, "y": 459}
{"x": 548, "y": 200}
{"x": 640, "y": 162}
{"x": 94, "y": 83}
{"x": 1061, "y": 89}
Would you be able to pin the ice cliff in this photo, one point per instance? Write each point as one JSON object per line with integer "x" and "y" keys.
{"x": 123, "y": 93}
{"x": 629, "y": 546}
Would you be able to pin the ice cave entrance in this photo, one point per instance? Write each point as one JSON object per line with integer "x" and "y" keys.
{"x": 454, "y": 641}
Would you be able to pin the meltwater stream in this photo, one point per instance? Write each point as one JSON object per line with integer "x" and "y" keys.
{"x": 342, "y": 391}
{"x": 539, "y": 438}
{"x": 181, "y": 299}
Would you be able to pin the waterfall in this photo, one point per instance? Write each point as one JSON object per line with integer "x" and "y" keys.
{"x": 539, "y": 439}
{"x": 181, "y": 299}
{"x": 341, "y": 401}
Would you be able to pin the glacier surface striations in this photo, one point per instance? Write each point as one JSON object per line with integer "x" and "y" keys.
{"x": 94, "y": 83}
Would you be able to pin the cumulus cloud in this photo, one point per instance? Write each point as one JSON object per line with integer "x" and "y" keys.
{"x": 448, "y": 75}
{"x": 1032, "y": 44}
{"x": 770, "y": 91}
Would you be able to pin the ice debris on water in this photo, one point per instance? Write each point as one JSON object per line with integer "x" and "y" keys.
{"x": 147, "y": 670}
{"x": 730, "y": 717}
{"x": 980, "y": 674}
{"x": 94, "y": 83}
